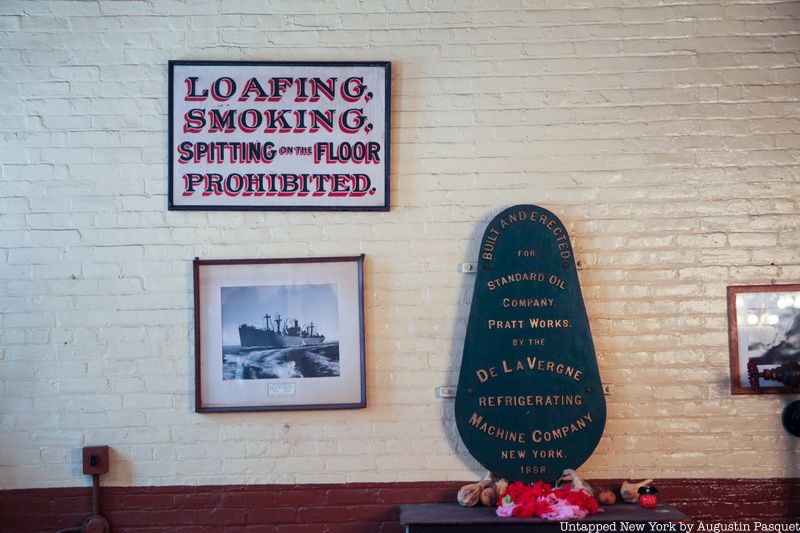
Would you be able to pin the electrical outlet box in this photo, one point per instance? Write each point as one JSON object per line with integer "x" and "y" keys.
{"x": 95, "y": 460}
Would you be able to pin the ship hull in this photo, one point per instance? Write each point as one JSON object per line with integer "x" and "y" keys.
{"x": 252, "y": 336}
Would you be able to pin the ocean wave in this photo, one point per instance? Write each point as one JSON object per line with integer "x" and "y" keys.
{"x": 324, "y": 364}
{"x": 281, "y": 363}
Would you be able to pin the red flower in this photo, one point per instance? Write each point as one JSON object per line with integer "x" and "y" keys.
{"x": 539, "y": 499}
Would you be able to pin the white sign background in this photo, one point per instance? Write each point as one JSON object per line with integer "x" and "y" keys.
{"x": 342, "y": 193}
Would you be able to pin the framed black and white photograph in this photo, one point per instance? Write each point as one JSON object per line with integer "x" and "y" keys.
{"x": 279, "y": 135}
{"x": 764, "y": 334}
{"x": 276, "y": 334}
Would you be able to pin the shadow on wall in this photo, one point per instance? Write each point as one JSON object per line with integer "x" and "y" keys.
{"x": 457, "y": 347}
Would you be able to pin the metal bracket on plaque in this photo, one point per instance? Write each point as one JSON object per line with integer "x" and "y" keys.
{"x": 468, "y": 268}
{"x": 445, "y": 392}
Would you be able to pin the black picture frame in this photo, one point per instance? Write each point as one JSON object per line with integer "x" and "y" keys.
{"x": 283, "y": 364}
{"x": 384, "y": 181}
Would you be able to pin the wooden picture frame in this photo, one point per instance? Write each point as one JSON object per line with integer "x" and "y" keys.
{"x": 279, "y": 334}
{"x": 763, "y": 326}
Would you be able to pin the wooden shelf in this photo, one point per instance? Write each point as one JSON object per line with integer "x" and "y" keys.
{"x": 451, "y": 517}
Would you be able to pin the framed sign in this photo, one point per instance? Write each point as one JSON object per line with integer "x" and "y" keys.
{"x": 275, "y": 334}
{"x": 248, "y": 135}
{"x": 764, "y": 332}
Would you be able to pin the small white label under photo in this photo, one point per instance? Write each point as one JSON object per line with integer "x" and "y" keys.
{"x": 281, "y": 389}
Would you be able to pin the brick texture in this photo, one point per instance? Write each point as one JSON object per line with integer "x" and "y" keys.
{"x": 346, "y": 508}
{"x": 663, "y": 133}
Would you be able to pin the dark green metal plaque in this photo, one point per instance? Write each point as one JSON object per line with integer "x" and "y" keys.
{"x": 530, "y": 402}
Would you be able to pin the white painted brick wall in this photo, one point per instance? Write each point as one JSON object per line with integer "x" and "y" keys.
{"x": 664, "y": 133}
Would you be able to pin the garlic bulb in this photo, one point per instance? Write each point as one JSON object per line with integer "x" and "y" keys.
{"x": 630, "y": 491}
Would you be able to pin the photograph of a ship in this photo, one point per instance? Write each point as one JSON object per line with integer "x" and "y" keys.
{"x": 280, "y": 332}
